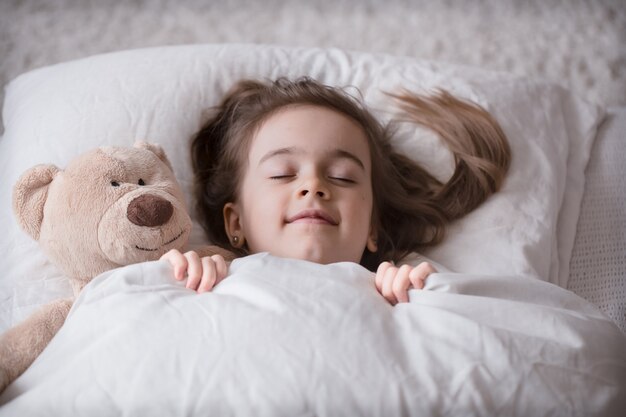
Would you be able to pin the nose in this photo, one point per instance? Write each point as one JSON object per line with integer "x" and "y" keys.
{"x": 149, "y": 210}
{"x": 313, "y": 187}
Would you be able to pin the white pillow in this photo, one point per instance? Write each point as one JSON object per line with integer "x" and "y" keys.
{"x": 53, "y": 114}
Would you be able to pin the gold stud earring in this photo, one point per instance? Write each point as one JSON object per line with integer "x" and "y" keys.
{"x": 235, "y": 240}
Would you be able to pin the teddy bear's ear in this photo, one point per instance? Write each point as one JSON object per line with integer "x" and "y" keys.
{"x": 155, "y": 149}
{"x": 29, "y": 196}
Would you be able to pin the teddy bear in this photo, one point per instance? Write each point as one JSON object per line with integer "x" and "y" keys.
{"x": 110, "y": 207}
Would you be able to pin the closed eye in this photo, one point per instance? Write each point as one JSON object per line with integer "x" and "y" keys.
{"x": 343, "y": 180}
{"x": 281, "y": 177}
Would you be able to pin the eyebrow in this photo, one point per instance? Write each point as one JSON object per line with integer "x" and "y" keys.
{"x": 336, "y": 153}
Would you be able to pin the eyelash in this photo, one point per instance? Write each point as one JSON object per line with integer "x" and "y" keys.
{"x": 283, "y": 177}
{"x": 346, "y": 180}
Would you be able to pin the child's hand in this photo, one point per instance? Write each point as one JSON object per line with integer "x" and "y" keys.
{"x": 202, "y": 273}
{"x": 394, "y": 283}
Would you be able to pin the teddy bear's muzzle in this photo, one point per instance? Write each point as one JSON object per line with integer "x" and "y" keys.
{"x": 149, "y": 210}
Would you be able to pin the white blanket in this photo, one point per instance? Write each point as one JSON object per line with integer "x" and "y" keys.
{"x": 288, "y": 338}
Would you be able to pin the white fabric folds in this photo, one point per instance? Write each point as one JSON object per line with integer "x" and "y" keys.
{"x": 285, "y": 337}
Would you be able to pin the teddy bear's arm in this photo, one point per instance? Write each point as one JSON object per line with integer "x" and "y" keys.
{"x": 20, "y": 345}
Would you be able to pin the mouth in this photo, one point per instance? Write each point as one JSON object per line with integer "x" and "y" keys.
{"x": 165, "y": 244}
{"x": 312, "y": 217}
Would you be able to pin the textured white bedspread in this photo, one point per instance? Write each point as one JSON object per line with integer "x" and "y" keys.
{"x": 288, "y": 338}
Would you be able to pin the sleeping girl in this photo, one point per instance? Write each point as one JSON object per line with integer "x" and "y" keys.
{"x": 303, "y": 170}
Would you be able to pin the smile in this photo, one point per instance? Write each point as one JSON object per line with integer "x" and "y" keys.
{"x": 312, "y": 217}
{"x": 165, "y": 244}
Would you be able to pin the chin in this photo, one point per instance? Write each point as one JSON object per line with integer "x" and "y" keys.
{"x": 319, "y": 256}
{"x": 304, "y": 254}
{"x": 314, "y": 251}
{"x": 318, "y": 259}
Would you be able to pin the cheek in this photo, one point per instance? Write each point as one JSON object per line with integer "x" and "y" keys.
{"x": 362, "y": 209}
{"x": 368, "y": 209}
{"x": 260, "y": 208}
{"x": 367, "y": 199}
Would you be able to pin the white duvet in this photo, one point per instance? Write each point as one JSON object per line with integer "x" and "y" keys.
{"x": 290, "y": 338}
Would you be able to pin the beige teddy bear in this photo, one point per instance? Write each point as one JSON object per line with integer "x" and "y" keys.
{"x": 110, "y": 207}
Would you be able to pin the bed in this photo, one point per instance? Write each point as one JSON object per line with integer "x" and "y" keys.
{"x": 526, "y": 317}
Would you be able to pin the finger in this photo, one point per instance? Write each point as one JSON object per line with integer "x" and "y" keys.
{"x": 380, "y": 274}
{"x": 178, "y": 262}
{"x": 209, "y": 275}
{"x": 387, "y": 285}
{"x": 419, "y": 274}
{"x": 401, "y": 284}
{"x": 220, "y": 267}
{"x": 194, "y": 270}
{"x": 167, "y": 255}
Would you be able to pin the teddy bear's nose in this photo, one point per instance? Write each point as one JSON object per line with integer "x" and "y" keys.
{"x": 149, "y": 210}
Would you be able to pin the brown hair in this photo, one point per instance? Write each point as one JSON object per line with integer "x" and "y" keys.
{"x": 411, "y": 207}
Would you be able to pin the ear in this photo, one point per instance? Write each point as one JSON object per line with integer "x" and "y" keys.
{"x": 232, "y": 223}
{"x": 29, "y": 197}
{"x": 155, "y": 149}
{"x": 372, "y": 240}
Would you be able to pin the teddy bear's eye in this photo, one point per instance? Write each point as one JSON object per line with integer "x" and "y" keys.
{"x": 115, "y": 183}
{"x": 141, "y": 182}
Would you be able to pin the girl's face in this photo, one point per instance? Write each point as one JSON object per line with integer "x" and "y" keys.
{"x": 307, "y": 188}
